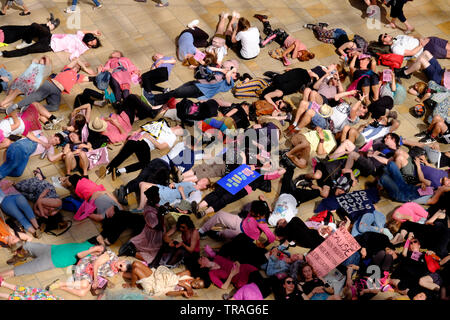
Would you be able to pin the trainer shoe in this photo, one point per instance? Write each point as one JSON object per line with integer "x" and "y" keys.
{"x": 309, "y": 26}
{"x": 421, "y": 134}
{"x": 427, "y": 139}
{"x": 11, "y": 108}
{"x": 193, "y": 24}
{"x": 69, "y": 10}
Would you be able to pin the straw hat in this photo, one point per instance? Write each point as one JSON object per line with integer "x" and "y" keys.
{"x": 325, "y": 111}
{"x": 98, "y": 125}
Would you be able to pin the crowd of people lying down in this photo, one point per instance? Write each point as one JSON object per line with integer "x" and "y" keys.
{"x": 338, "y": 145}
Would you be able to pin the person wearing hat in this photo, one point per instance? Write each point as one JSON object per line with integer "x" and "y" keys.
{"x": 11, "y": 34}
{"x": 306, "y": 114}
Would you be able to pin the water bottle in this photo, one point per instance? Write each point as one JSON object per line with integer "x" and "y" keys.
{"x": 44, "y": 154}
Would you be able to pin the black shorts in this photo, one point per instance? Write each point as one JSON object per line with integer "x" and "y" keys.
{"x": 367, "y": 166}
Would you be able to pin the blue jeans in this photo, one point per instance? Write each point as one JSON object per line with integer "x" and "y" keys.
{"x": 17, "y": 156}
{"x": 369, "y": 222}
{"x": 17, "y": 206}
{"x": 395, "y": 185}
{"x": 74, "y": 4}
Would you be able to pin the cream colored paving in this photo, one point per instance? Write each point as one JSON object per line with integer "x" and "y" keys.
{"x": 140, "y": 29}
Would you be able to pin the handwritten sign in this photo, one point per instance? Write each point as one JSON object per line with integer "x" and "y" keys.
{"x": 355, "y": 203}
{"x": 154, "y": 128}
{"x": 237, "y": 179}
{"x": 332, "y": 252}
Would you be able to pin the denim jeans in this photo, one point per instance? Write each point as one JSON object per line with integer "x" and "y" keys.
{"x": 74, "y": 4}
{"x": 17, "y": 156}
{"x": 395, "y": 185}
{"x": 48, "y": 91}
{"x": 370, "y": 222}
{"x": 17, "y": 206}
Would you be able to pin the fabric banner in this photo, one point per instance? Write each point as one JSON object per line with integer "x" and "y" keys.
{"x": 237, "y": 179}
{"x": 332, "y": 252}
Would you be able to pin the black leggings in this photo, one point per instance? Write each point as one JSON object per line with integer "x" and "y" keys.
{"x": 14, "y": 33}
{"x": 135, "y": 107}
{"x": 288, "y": 186}
{"x": 397, "y": 10}
{"x": 187, "y": 90}
{"x": 119, "y": 222}
{"x": 88, "y": 96}
{"x": 383, "y": 260}
{"x": 119, "y": 94}
{"x": 243, "y": 249}
{"x": 140, "y": 148}
{"x": 157, "y": 172}
{"x": 151, "y": 78}
{"x": 43, "y": 45}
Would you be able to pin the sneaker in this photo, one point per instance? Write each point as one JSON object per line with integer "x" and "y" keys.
{"x": 202, "y": 235}
{"x": 69, "y": 10}
{"x": 100, "y": 103}
{"x": 213, "y": 234}
{"x": 121, "y": 197}
{"x": 260, "y": 17}
{"x": 227, "y": 296}
{"x": 400, "y": 73}
{"x": 57, "y": 120}
{"x": 427, "y": 139}
{"x": 323, "y": 24}
{"x": 48, "y": 126}
{"x": 148, "y": 97}
{"x": 309, "y": 26}
{"x": 388, "y": 233}
{"x": 166, "y": 90}
{"x": 421, "y": 134}
{"x": 193, "y": 24}
{"x": 20, "y": 256}
{"x": 200, "y": 214}
{"x": 97, "y": 7}
{"x": 11, "y": 108}
{"x": 23, "y": 44}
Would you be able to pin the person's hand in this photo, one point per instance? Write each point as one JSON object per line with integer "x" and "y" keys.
{"x": 188, "y": 293}
{"x": 179, "y": 244}
{"x": 95, "y": 283}
{"x": 363, "y": 253}
{"x": 46, "y": 145}
{"x": 97, "y": 33}
{"x": 236, "y": 268}
{"x": 260, "y": 244}
{"x": 410, "y": 236}
{"x": 172, "y": 185}
{"x": 320, "y": 133}
{"x": 99, "y": 68}
{"x": 423, "y": 186}
{"x": 349, "y": 282}
{"x": 423, "y": 42}
{"x": 318, "y": 290}
{"x": 171, "y": 244}
{"x": 353, "y": 92}
{"x": 5, "y": 79}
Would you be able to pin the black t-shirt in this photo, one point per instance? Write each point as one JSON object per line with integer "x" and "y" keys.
{"x": 291, "y": 81}
{"x": 97, "y": 139}
{"x": 378, "y": 108}
{"x": 411, "y": 267}
{"x": 341, "y": 40}
{"x": 310, "y": 285}
{"x": 330, "y": 171}
{"x": 373, "y": 242}
{"x": 240, "y": 117}
{"x": 208, "y": 109}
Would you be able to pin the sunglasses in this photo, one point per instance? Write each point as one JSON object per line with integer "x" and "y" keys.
{"x": 414, "y": 241}
{"x": 384, "y": 36}
{"x": 289, "y": 282}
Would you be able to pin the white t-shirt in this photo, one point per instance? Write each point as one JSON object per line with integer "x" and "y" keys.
{"x": 5, "y": 126}
{"x": 285, "y": 208}
{"x": 404, "y": 42}
{"x": 340, "y": 116}
{"x": 250, "y": 42}
{"x": 166, "y": 136}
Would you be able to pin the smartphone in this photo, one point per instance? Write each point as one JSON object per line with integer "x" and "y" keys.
{"x": 387, "y": 75}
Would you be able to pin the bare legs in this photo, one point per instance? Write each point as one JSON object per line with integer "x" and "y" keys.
{"x": 12, "y": 94}
{"x": 437, "y": 126}
{"x": 421, "y": 63}
{"x": 78, "y": 288}
{"x": 143, "y": 186}
{"x": 138, "y": 271}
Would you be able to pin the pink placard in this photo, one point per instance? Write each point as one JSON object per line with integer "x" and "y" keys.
{"x": 332, "y": 252}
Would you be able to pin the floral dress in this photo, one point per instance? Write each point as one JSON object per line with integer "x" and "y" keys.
{"x": 29, "y": 81}
{"x": 84, "y": 270}
{"x": 28, "y": 293}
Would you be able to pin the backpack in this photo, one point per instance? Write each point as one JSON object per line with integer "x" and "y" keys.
{"x": 361, "y": 43}
{"x": 375, "y": 47}
{"x": 391, "y": 60}
{"x": 71, "y": 204}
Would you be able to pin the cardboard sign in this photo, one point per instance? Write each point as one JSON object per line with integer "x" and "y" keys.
{"x": 154, "y": 128}
{"x": 332, "y": 252}
{"x": 237, "y": 179}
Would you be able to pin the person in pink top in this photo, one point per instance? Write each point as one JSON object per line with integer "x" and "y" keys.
{"x": 410, "y": 211}
{"x": 123, "y": 72}
{"x": 51, "y": 90}
{"x": 75, "y": 44}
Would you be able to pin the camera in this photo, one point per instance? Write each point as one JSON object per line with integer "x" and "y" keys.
{"x": 164, "y": 209}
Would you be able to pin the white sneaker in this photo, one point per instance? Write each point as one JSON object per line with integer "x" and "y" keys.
{"x": 69, "y": 10}
{"x": 57, "y": 120}
{"x": 193, "y": 24}
{"x": 23, "y": 45}
{"x": 97, "y": 7}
